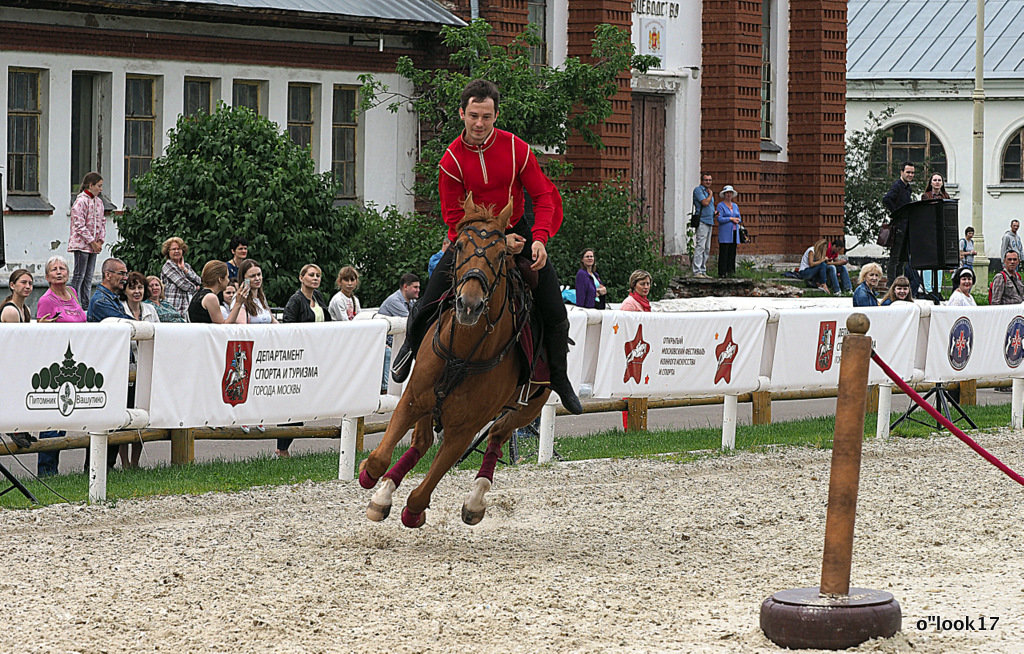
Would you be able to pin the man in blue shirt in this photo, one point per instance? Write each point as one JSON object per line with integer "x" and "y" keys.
{"x": 704, "y": 202}
{"x": 105, "y": 302}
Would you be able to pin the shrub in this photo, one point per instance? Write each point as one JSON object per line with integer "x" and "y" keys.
{"x": 233, "y": 172}
{"x": 387, "y": 245}
{"x": 601, "y": 216}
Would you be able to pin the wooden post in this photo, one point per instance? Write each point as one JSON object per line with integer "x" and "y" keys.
{"x": 969, "y": 392}
{"x": 872, "y": 399}
{"x": 761, "y": 407}
{"x": 183, "y": 447}
{"x": 636, "y": 420}
{"x": 360, "y": 433}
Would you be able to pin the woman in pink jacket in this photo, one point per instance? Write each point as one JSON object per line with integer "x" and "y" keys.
{"x": 88, "y": 232}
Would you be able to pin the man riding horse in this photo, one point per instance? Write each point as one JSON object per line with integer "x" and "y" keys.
{"x": 495, "y": 166}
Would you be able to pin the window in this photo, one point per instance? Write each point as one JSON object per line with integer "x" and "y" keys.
{"x": 197, "y": 96}
{"x": 300, "y": 114}
{"x": 139, "y": 128}
{"x": 537, "y": 14}
{"x": 246, "y": 93}
{"x": 23, "y": 118}
{"x": 1013, "y": 159}
{"x": 766, "y": 70}
{"x": 343, "y": 141}
{"x": 908, "y": 142}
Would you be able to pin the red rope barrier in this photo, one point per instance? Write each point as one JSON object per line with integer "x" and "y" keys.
{"x": 933, "y": 412}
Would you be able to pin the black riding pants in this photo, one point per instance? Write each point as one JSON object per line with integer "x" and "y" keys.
{"x": 547, "y": 296}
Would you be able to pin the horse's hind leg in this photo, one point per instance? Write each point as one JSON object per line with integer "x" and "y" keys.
{"x": 380, "y": 504}
{"x": 475, "y": 505}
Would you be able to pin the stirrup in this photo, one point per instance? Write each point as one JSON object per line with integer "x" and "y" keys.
{"x": 402, "y": 363}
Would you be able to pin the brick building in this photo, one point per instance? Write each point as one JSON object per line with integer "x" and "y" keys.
{"x": 753, "y": 92}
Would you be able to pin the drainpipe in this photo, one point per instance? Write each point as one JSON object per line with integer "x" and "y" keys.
{"x": 474, "y": 9}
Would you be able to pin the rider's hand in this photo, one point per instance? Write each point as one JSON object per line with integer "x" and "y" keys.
{"x": 514, "y": 243}
{"x": 540, "y": 256}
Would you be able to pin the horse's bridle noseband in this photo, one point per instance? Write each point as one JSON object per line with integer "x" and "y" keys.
{"x": 491, "y": 238}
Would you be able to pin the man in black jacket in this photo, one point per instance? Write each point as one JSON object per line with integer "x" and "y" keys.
{"x": 897, "y": 196}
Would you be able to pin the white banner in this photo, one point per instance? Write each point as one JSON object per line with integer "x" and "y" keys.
{"x": 679, "y": 354}
{"x": 975, "y": 343}
{"x": 222, "y": 375}
{"x": 64, "y": 377}
{"x": 575, "y": 361}
{"x": 809, "y": 345}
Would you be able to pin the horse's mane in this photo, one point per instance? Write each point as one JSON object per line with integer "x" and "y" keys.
{"x": 479, "y": 214}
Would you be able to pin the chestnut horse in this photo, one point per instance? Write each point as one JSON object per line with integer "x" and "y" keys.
{"x": 466, "y": 371}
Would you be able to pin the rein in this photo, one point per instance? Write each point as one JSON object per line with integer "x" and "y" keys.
{"x": 457, "y": 369}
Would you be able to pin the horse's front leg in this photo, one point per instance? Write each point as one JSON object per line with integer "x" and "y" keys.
{"x": 452, "y": 447}
{"x": 475, "y": 505}
{"x": 380, "y": 504}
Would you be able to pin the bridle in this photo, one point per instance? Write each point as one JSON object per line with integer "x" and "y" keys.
{"x": 457, "y": 368}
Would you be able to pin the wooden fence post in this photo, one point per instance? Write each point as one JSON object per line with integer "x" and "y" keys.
{"x": 872, "y": 399}
{"x": 636, "y": 419}
{"x": 761, "y": 407}
{"x": 183, "y": 447}
{"x": 360, "y": 433}
{"x": 969, "y": 392}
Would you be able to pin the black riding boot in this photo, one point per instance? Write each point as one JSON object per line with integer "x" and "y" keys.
{"x": 416, "y": 326}
{"x": 556, "y": 340}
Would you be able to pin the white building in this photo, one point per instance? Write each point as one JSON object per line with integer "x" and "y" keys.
{"x": 91, "y": 87}
{"x": 919, "y": 58}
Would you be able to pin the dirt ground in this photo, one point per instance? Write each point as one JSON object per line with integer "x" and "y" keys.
{"x": 599, "y": 556}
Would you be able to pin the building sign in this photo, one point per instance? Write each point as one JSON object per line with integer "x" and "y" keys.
{"x": 656, "y": 8}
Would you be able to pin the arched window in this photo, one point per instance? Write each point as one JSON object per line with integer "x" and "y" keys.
{"x": 1013, "y": 159}
{"x": 909, "y": 142}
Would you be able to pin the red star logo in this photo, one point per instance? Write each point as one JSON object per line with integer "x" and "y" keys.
{"x": 726, "y": 353}
{"x": 1016, "y": 341}
{"x": 636, "y": 351}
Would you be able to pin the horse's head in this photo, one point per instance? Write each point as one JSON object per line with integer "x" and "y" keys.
{"x": 479, "y": 258}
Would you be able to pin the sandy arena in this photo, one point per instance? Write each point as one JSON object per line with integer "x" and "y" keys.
{"x": 602, "y": 556}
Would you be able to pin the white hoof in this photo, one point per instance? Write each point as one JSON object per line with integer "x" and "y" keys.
{"x": 380, "y": 504}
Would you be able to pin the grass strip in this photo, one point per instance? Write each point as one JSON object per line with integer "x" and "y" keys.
{"x": 680, "y": 446}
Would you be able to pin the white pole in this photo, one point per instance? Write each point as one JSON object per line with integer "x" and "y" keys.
{"x": 546, "y": 444}
{"x": 97, "y": 467}
{"x": 884, "y": 409}
{"x": 347, "y": 450}
{"x": 1016, "y": 414}
{"x": 729, "y": 422}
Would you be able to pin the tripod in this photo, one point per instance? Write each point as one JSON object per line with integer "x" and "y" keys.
{"x": 943, "y": 402}
{"x": 513, "y": 444}
{"x": 16, "y": 484}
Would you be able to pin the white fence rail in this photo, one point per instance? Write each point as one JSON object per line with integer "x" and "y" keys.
{"x": 75, "y": 377}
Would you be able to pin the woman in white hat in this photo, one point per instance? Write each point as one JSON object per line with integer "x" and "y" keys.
{"x": 728, "y": 232}
{"x": 961, "y": 296}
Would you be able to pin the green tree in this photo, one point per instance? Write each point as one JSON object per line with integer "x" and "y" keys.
{"x": 388, "y": 245}
{"x": 540, "y": 104}
{"x": 866, "y": 178}
{"x": 232, "y": 172}
{"x": 604, "y": 217}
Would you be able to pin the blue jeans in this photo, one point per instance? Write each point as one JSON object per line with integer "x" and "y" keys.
{"x": 844, "y": 278}
{"x": 81, "y": 279}
{"x": 46, "y": 464}
{"x": 822, "y": 274}
{"x": 387, "y": 370}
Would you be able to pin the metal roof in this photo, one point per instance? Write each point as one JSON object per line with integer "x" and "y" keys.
{"x": 932, "y": 39}
{"x": 418, "y": 11}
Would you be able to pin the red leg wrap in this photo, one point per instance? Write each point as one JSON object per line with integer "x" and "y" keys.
{"x": 491, "y": 457}
{"x": 404, "y": 464}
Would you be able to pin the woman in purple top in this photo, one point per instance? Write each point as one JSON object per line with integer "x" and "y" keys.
{"x": 728, "y": 232}
{"x": 590, "y": 292}
{"x": 58, "y": 304}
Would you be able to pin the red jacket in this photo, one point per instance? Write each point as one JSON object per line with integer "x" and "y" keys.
{"x": 504, "y": 165}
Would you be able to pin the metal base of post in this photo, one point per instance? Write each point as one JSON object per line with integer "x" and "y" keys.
{"x": 943, "y": 403}
{"x": 16, "y": 485}
{"x": 803, "y": 618}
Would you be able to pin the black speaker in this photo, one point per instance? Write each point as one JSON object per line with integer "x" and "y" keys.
{"x": 933, "y": 232}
